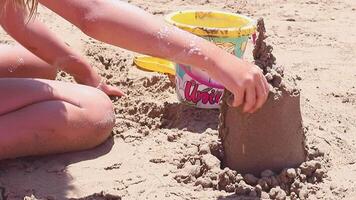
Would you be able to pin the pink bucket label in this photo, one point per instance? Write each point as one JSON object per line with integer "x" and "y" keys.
{"x": 194, "y": 95}
{"x": 195, "y": 87}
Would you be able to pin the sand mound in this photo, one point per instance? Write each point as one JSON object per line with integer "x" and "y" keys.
{"x": 266, "y": 148}
{"x": 204, "y": 171}
{"x": 272, "y": 137}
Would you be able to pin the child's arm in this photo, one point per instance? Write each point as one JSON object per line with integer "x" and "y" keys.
{"x": 34, "y": 36}
{"x": 123, "y": 25}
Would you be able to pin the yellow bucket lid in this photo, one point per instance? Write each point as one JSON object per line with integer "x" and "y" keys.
{"x": 212, "y": 23}
{"x": 154, "y": 64}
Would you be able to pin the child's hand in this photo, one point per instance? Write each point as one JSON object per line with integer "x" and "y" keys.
{"x": 95, "y": 80}
{"x": 244, "y": 80}
{"x": 110, "y": 90}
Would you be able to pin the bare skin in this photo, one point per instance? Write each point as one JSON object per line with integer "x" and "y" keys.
{"x": 37, "y": 116}
{"x": 121, "y": 24}
{"x": 17, "y": 62}
{"x": 39, "y": 40}
{"x": 40, "y": 116}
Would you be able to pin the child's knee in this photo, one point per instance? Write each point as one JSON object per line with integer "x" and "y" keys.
{"x": 106, "y": 119}
{"x": 102, "y": 119}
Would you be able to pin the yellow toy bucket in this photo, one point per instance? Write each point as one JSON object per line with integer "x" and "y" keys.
{"x": 207, "y": 23}
{"x": 227, "y": 30}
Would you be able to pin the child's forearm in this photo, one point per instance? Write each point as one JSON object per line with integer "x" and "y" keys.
{"x": 123, "y": 25}
{"x": 34, "y": 36}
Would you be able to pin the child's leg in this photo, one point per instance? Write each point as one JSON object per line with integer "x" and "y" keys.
{"x": 17, "y": 62}
{"x": 41, "y": 117}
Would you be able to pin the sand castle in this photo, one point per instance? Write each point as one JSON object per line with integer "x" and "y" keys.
{"x": 273, "y": 137}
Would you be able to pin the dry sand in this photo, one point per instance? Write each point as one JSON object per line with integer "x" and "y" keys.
{"x": 158, "y": 144}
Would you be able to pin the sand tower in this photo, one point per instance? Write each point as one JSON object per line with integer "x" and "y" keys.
{"x": 273, "y": 137}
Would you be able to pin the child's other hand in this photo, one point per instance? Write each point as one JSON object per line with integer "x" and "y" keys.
{"x": 110, "y": 90}
{"x": 95, "y": 80}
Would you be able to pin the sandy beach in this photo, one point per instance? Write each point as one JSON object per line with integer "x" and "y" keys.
{"x": 155, "y": 135}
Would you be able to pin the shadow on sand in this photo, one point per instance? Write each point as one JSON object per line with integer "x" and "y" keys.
{"x": 44, "y": 177}
{"x": 237, "y": 197}
{"x": 180, "y": 116}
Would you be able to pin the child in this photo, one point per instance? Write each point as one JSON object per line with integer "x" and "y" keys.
{"x": 39, "y": 116}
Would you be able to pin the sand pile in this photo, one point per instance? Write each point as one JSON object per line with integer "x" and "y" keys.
{"x": 271, "y": 138}
{"x": 204, "y": 171}
{"x": 266, "y": 149}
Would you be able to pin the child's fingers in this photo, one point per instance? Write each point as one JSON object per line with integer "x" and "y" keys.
{"x": 262, "y": 93}
{"x": 261, "y": 96}
{"x": 238, "y": 98}
{"x": 250, "y": 98}
{"x": 116, "y": 92}
{"x": 112, "y": 91}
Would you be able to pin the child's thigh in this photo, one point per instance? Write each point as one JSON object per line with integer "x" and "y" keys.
{"x": 42, "y": 116}
{"x": 60, "y": 116}
{"x": 16, "y": 61}
{"x": 17, "y": 93}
